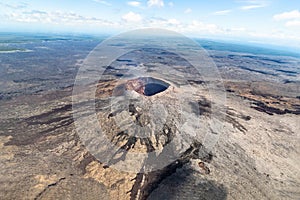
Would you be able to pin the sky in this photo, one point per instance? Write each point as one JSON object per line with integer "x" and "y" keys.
{"x": 275, "y": 22}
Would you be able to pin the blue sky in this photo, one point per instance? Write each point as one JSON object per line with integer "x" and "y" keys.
{"x": 258, "y": 21}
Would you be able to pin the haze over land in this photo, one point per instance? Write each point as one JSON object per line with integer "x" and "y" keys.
{"x": 253, "y": 21}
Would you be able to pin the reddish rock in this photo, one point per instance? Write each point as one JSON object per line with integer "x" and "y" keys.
{"x": 137, "y": 85}
{"x": 203, "y": 167}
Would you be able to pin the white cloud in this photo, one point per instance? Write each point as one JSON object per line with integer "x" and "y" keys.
{"x": 171, "y": 4}
{"x": 73, "y": 19}
{"x": 132, "y": 17}
{"x": 103, "y": 2}
{"x": 222, "y": 12}
{"x": 253, "y": 4}
{"x": 14, "y": 6}
{"x": 155, "y": 3}
{"x": 291, "y": 18}
{"x": 293, "y": 23}
{"x": 194, "y": 28}
{"x": 57, "y": 17}
{"x": 201, "y": 27}
{"x": 238, "y": 29}
{"x": 173, "y": 21}
{"x": 162, "y": 23}
{"x": 134, "y": 3}
{"x": 188, "y": 10}
{"x": 294, "y": 14}
{"x": 249, "y": 7}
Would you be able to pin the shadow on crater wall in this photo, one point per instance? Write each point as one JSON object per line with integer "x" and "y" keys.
{"x": 186, "y": 185}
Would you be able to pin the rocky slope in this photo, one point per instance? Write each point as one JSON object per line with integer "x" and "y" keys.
{"x": 256, "y": 157}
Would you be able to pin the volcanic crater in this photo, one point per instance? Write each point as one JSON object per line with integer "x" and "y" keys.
{"x": 147, "y": 86}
